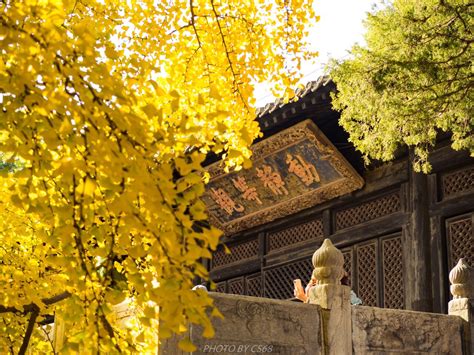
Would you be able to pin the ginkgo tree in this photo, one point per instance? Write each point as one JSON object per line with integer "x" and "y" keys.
{"x": 109, "y": 109}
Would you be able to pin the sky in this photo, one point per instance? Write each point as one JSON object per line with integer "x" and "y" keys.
{"x": 340, "y": 27}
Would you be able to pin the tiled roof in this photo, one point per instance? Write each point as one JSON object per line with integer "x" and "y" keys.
{"x": 300, "y": 93}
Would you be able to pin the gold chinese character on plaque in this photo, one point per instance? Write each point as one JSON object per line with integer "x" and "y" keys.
{"x": 225, "y": 202}
{"x": 304, "y": 170}
{"x": 272, "y": 180}
{"x": 248, "y": 193}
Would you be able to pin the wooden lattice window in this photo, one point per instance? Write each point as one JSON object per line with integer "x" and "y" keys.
{"x": 296, "y": 234}
{"x": 367, "y": 211}
{"x": 367, "y": 273}
{"x": 279, "y": 280}
{"x": 348, "y": 264}
{"x": 460, "y": 239}
{"x": 457, "y": 182}
{"x": 392, "y": 270}
{"x": 236, "y": 286}
{"x": 238, "y": 252}
{"x": 220, "y": 287}
{"x": 376, "y": 270}
{"x": 254, "y": 285}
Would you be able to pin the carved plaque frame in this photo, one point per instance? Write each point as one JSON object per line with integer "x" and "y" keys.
{"x": 349, "y": 181}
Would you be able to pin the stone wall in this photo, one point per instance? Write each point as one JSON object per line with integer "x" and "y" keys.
{"x": 256, "y": 325}
{"x": 386, "y": 331}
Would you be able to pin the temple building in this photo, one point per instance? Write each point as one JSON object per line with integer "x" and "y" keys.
{"x": 400, "y": 231}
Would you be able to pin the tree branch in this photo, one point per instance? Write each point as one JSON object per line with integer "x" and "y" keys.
{"x": 29, "y": 330}
{"x": 32, "y": 307}
{"x": 227, "y": 53}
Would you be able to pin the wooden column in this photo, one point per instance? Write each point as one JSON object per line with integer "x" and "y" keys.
{"x": 439, "y": 274}
{"x": 418, "y": 263}
{"x": 262, "y": 240}
{"x": 327, "y": 223}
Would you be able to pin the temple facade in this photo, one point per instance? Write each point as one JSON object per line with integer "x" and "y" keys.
{"x": 400, "y": 232}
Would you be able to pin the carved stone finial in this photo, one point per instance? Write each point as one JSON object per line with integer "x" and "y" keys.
{"x": 461, "y": 278}
{"x": 328, "y": 264}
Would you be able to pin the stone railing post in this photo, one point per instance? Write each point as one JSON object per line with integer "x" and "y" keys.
{"x": 333, "y": 298}
{"x": 462, "y": 304}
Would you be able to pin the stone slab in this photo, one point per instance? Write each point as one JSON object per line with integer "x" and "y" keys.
{"x": 391, "y": 331}
{"x": 256, "y": 325}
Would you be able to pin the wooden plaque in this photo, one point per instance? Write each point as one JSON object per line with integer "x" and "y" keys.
{"x": 292, "y": 170}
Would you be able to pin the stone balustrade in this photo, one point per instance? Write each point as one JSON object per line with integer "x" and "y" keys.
{"x": 330, "y": 325}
